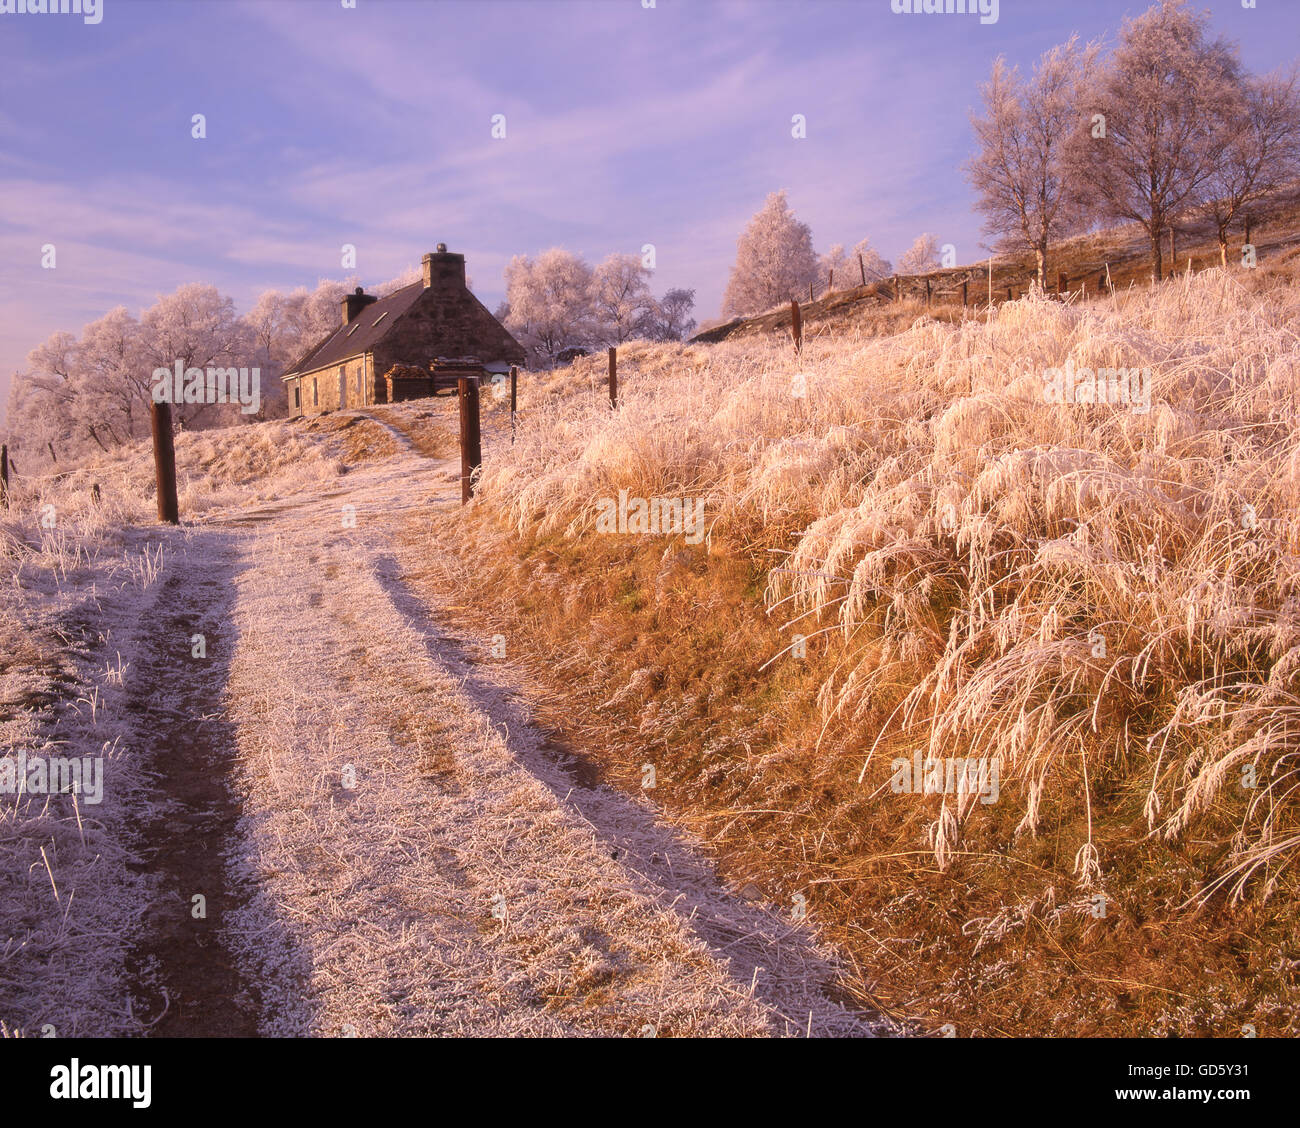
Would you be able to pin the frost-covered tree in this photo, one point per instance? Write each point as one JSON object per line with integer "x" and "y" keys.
{"x": 775, "y": 261}
{"x": 35, "y": 415}
{"x": 1161, "y": 132}
{"x": 197, "y": 326}
{"x": 550, "y": 302}
{"x": 1020, "y": 170}
{"x": 922, "y": 256}
{"x": 83, "y": 394}
{"x": 94, "y": 392}
{"x": 277, "y": 343}
{"x": 1260, "y": 163}
{"x": 114, "y": 385}
{"x": 42, "y": 397}
{"x": 274, "y": 335}
{"x": 839, "y": 268}
{"x": 874, "y": 265}
{"x": 408, "y": 277}
{"x": 315, "y": 314}
{"x": 670, "y": 319}
{"x": 832, "y": 267}
{"x": 620, "y": 297}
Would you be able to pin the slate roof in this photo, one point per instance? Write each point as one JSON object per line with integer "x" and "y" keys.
{"x": 366, "y": 330}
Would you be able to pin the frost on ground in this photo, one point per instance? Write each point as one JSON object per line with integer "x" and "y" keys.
{"x": 434, "y": 873}
{"x": 68, "y": 895}
{"x": 380, "y": 840}
{"x": 82, "y": 589}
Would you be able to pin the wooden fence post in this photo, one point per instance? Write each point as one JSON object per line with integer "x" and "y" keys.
{"x": 830, "y": 281}
{"x": 164, "y": 462}
{"x": 927, "y": 289}
{"x": 898, "y": 288}
{"x": 796, "y": 327}
{"x": 1009, "y": 295}
{"x": 613, "y": 377}
{"x": 54, "y": 456}
{"x": 1062, "y": 283}
{"x": 471, "y": 449}
{"x": 4, "y": 474}
{"x": 964, "y": 302}
{"x": 514, "y": 398}
{"x": 862, "y": 270}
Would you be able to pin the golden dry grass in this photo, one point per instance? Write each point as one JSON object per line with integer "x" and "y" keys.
{"x": 954, "y": 548}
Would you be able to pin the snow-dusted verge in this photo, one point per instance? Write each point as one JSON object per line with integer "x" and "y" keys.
{"x": 72, "y": 598}
{"x": 79, "y": 583}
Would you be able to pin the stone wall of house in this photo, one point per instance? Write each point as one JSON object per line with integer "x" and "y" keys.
{"x": 442, "y": 325}
{"x": 320, "y": 389}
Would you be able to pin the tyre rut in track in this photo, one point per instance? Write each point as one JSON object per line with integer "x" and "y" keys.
{"x": 182, "y": 976}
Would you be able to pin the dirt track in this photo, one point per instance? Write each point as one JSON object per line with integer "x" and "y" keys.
{"x": 394, "y": 849}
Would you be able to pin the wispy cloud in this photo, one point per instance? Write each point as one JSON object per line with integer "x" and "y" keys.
{"x": 371, "y": 126}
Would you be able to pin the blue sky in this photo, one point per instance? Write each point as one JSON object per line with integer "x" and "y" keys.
{"x": 372, "y": 126}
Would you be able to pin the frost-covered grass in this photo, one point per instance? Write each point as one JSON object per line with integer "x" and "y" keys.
{"x": 230, "y": 466}
{"x": 78, "y": 576}
{"x": 1034, "y": 582}
{"x": 66, "y": 891}
{"x": 1076, "y": 593}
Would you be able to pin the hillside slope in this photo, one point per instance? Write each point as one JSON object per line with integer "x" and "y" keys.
{"x": 910, "y": 552}
{"x": 1119, "y": 258}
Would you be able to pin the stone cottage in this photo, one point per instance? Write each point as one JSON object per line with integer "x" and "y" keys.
{"x": 414, "y": 342}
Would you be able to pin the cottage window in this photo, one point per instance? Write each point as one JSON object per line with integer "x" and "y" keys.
{"x": 297, "y": 396}
{"x": 315, "y": 393}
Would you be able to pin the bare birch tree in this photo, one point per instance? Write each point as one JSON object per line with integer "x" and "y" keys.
{"x": 1020, "y": 170}
{"x": 1153, "y": 132}
{"x": 1261, "y": 159}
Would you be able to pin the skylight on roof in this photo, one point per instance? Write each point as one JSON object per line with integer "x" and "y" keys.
{"x": 350, "y": 331}
{"x": 380, "y": 318}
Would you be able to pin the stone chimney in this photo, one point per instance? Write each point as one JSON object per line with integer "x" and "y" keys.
{"x": 443, "y": 270}
{"x": 353, "y": 304}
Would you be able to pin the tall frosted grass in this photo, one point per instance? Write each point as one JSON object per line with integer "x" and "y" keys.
{"x": 1046, "y": 584}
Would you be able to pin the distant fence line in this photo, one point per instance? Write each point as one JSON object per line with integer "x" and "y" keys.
{"x": 973, "y": 287}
